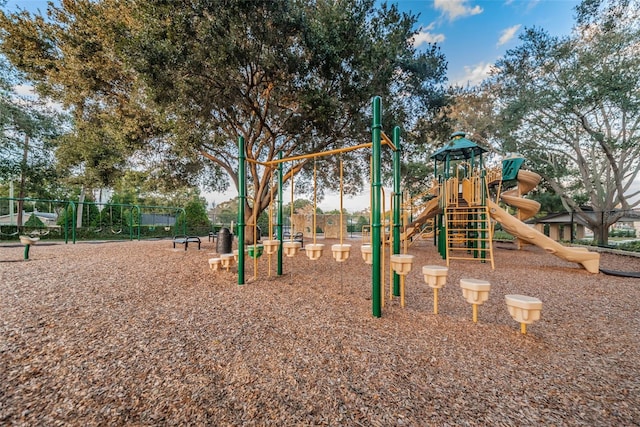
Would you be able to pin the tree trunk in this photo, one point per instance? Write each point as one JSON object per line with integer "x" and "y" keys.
{"x": 600, "y": 234}
{"x": 249, "y": 221}
{"x": 23, "y": 180}
{"x": 80, "y": 208}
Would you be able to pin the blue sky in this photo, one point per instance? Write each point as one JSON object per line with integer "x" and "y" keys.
{"x": 472, "y": 34}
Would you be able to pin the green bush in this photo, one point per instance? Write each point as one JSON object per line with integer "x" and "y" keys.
{"x": 630, "y": 246}
{"x": 623, "y": 232}
{"x": 502, "y": 235}
{"x": 34, "y": 222}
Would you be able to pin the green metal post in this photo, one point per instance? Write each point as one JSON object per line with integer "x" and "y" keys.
{"x": 26, "y": 251}
{"x": 242, "y": 186}
{"x": 376, "y": 130}
{"x": 397, "y": 195}
{"x": 280, "y": 215}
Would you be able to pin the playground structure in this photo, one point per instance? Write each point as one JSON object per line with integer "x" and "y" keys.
{"x": 340, "y": 251}
{"x": 459, "y": 213}
{"x": 461, "y": 204}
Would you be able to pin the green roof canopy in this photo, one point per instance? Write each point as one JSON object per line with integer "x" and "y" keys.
{"x": 458, "y": 148}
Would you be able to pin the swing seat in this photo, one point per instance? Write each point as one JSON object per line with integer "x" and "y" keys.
{"x": 184, "y": 240}
{"x": 297, "y": 237}
{"x": 38, "y": 233}
{"x": 29, "y": 240}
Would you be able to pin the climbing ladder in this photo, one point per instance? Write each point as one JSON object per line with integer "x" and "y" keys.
{"x": 467, "y": 222}
{"x": 468, "y": 231}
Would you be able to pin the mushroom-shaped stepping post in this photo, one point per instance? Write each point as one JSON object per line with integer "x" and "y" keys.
{"x": 341, "y": 251}
{"x": 214, "y": 264}
{"x": 314, "y": 250}
{"x": 291, "y": 248}
{"x": 523, "y": 309}
{"x": 401, "y": 264}
{"x": 226, "y": 260}
{"x": 271, "y": 246}
{"x": 476, "y": 292}
{"x": 367, "y": 254}
{"x": 235, "y": 253}
{"x": 435, "y": 276}
{"x": 27, "y": 241}
{"x": 255, "y": 251}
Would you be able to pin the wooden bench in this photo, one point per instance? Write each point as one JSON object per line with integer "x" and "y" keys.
{"x": 184, "y": 240}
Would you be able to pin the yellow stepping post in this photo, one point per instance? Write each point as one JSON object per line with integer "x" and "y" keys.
{"x": 435, "y": 276}
{"x": 476, "y": 292}
{"x": 401, "y": 264}
{"x": 523, "y": 309}
{"x": 226, "y": 260}
{"x": 214, "y": 264}
{"x": 367, "y": 254}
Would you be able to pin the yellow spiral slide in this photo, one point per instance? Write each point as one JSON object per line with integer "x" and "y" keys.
{"x": 528, "y": 180}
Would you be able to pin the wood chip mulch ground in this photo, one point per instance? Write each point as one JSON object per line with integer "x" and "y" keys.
{"x": 139, "y": 333}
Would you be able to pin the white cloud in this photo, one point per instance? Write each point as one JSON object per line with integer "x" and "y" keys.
{"x": 508, "y": 34}
{"x": 473, "y": 75}
{"x": 426, "y": 36}
{"x": 455, "y": 9}
{"x": 532, "y": 5}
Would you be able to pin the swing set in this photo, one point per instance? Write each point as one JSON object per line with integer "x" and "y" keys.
{"x": 400, "y": 264}
{"x": 109, "y": 218}
{"x": 16, "y": 220}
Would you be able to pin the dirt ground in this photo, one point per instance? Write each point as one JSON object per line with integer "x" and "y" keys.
{"x": 139, "y": 333}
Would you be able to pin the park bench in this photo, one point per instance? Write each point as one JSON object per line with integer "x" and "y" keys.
{"x": 185, "y": 240}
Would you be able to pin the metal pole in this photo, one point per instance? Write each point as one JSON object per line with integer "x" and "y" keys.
{"x": 131, "y": 223}
{"x": 280, "y": 215}
{"x": 376, "y": 130}
{"x": 572, "y": 235}
{"x": 397, "y": 195}
{"x": 242, "y": 185}
{"x": 139, "y": 219}
{"x": 73, "y": 222}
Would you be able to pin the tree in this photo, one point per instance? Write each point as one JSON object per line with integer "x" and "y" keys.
{"x": 571, "y": 106}
{"x": 295, "y": 77}
{"x": 292, "y": 76}
{"x": 196, "y": 214}
{"x": 72, "y": 57}
{"x": 473, "y": 111}
{"x": 29, "y": 129}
